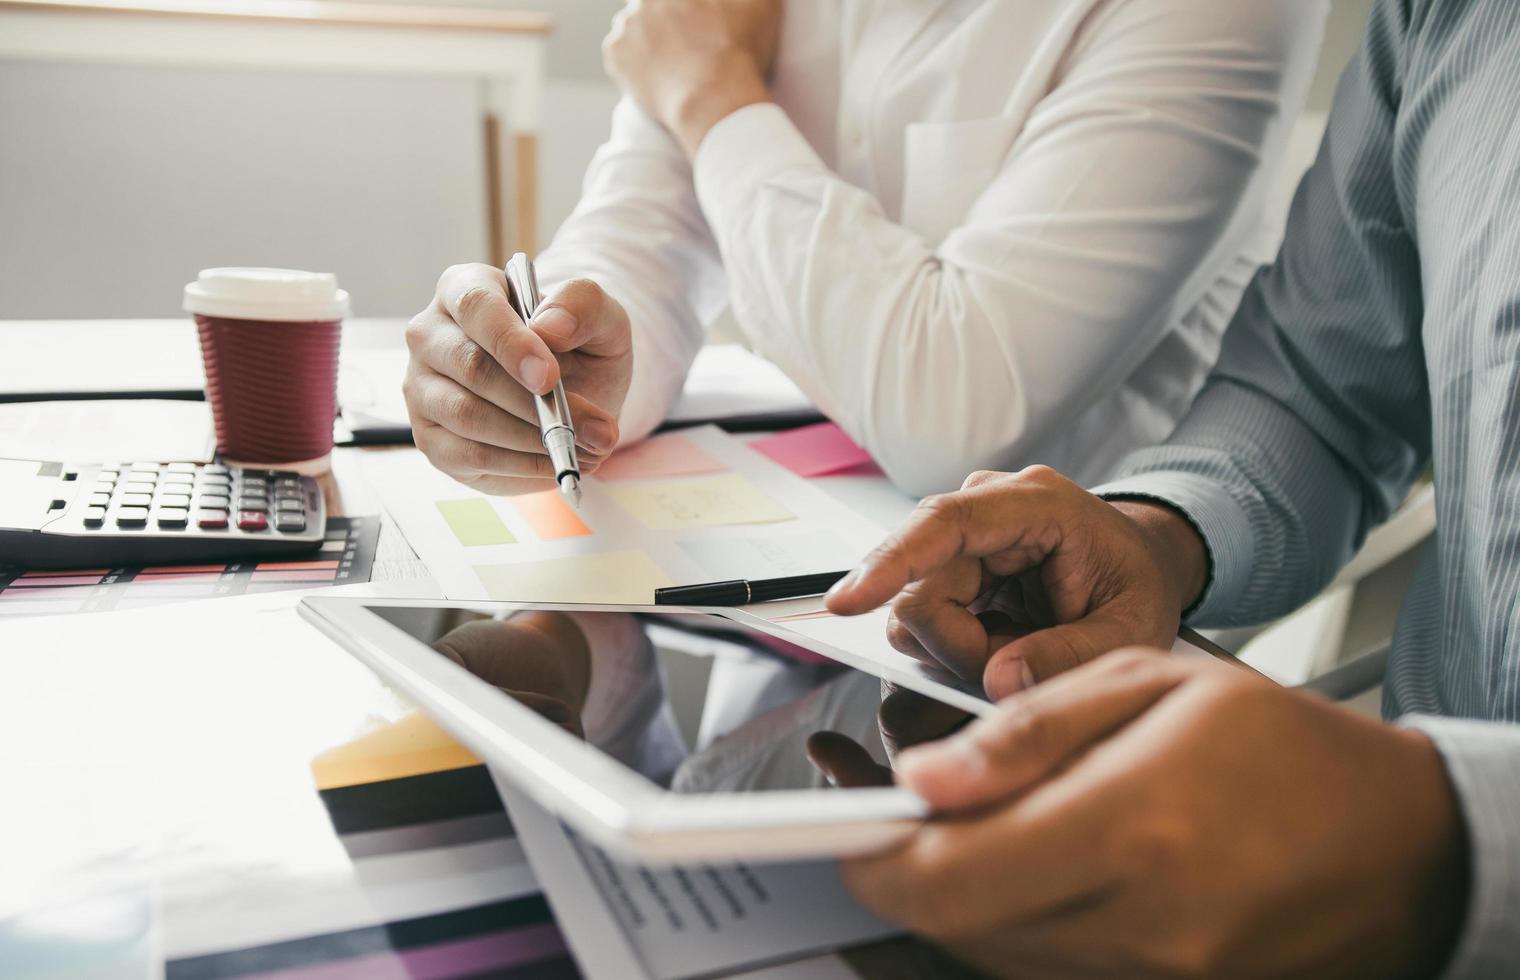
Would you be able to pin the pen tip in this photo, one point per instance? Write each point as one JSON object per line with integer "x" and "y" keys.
{"x": 570, "y": 486}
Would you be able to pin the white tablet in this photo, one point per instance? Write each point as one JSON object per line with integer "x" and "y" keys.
{"x": 660, "y": 733}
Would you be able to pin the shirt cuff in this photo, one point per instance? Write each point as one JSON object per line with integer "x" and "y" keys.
{"x": 1483, "y": 763}
{"x": 1219, "y": 520}
{"x": 737, "y": 156}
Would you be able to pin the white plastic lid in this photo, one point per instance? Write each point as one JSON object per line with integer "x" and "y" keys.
{"x": 267, "y": 294}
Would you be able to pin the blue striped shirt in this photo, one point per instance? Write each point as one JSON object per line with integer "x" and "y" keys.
{"x": 1385, "y": 339}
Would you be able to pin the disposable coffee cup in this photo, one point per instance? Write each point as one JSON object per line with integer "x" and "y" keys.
{"x": 270, "y": 339}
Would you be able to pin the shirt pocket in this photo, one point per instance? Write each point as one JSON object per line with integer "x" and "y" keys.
{"x": 947, "y": 166}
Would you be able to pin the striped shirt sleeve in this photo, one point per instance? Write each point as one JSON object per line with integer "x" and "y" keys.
{"x": 1314, "y": 425}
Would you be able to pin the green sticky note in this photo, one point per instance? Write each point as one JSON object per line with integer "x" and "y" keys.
{"x": 475, "y": 522}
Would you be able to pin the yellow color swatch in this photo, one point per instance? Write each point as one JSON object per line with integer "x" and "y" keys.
{"x": 413, "y": 745}
{"x": 712, "y": 502}
{"x": 628, "y": 576}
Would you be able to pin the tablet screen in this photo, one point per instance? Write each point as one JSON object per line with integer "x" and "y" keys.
{"x": 696, "y": 703}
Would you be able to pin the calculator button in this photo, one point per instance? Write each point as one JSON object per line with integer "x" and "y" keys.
{"x": 146, "y": 467}
{"x": 284, "y": 475}
{"x": 176, "y": 478}
{"x": 252, "y": 520}
{"x": 180, "y": 468}
{"x": 212, "y": 469}
{"x": 215, "y": 480}
{"x": 99, "y": 500}
{"x": 288, "y": 483}
{"x": 143, "y": 476}
{"x": 214, "y": 500}
{"x": 104, "y": 487}
{"x": 283, "y": 506}
{"x": 94, "y": 516}
{"x": 211, "y": 520}
{"x": 253, "y": 503}
{"x": 137, "y": 487}
{"x": 173, "y": 517}
{"x": 174, "y": 500}
{"x": 135, "y": 499}
{"x": 131, "y": 516}
{"x": 255, "y": 486}
{"x": 290, "y": 522}
{"x": 106, "y": 473}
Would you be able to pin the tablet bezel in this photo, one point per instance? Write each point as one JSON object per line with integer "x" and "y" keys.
{"x": 610, "y": 804}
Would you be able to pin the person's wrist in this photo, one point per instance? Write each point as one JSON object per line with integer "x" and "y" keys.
{"x": 735, "y": 85}
{"x": 1174, "y": 544}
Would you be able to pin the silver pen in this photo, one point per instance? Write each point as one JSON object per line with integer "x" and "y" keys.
{"x": 553, "y": 408}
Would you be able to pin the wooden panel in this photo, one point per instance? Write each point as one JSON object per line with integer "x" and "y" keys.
{"x": 525, "y": 206}
{"x": 496, "y": 226}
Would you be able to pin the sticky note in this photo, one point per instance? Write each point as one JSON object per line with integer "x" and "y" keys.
{"x": 814, "y": 450}
{"x": 711, "y": 502}
{"x": 662, "y": 456}
{"x": 413, "y": 745}
{"x": 628, "y": 576}
{"x": 769, "y": 557}
{"x": 550, "y": 516}
{"x": 475, "y": 522}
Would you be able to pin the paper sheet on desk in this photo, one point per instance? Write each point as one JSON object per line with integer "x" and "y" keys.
{"x": 728, "y": 382}
{"x": 755, "y": 517}
{"x": 864, "y": 639}
{"x": 104, "y": 431}
{"x": 628, "y": 922}
{"x": 99, "y": 357}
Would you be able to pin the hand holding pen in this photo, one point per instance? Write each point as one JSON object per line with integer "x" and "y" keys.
{"x": 477, "y": 364}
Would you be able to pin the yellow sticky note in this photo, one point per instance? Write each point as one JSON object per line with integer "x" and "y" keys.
{"x": 628, "y": 576}
{"x": 713, "y": 502}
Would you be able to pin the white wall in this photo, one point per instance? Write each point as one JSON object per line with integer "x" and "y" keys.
{"x": 117, "y": 183}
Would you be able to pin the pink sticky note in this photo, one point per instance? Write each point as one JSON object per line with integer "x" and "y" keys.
{"x": 662, "y": 456}
{"x": 815, "y": 450}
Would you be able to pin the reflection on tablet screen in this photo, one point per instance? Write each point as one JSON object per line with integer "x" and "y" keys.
{"x": 694, "y": 702}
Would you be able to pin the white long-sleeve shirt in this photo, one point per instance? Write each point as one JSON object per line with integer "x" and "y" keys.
{"x": 977, "y": 233}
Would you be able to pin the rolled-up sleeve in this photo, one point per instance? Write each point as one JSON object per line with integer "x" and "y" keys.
{"x": 1062, "y": 277}
{"x": 1483, "y": 763}
{"x": 1316, "y": 420}
{"x": 639, "y": 233}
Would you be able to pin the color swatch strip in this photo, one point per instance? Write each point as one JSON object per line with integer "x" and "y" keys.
{"x": 512, "y": 938}
{"x": 348, "y": 556}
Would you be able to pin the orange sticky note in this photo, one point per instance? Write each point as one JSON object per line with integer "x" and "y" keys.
{"x": 662, "y": 456}
{"x": 549, "y": 516}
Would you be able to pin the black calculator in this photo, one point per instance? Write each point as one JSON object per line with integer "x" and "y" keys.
{"x": 56, "y": 515}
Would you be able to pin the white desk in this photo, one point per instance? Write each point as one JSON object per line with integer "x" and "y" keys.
{"x": 503, "y": 50}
